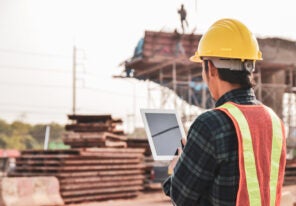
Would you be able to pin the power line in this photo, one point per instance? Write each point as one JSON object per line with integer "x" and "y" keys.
{"x": 35, "y": 112}
{"x": 5, "y": 67}
{"x": 11, "y": 104}
{"x": 33, "y": 85}
{"x": 34, "y": 53}
{"x": 110, "y": 92}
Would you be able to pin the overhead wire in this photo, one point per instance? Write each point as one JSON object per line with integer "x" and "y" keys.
{"x": 30, "y": 108}
{"x": 34, "y": 53}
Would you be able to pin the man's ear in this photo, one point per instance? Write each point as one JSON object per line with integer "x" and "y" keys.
{"x": 213, "y": 71}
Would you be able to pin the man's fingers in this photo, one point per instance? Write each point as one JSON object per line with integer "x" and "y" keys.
{"x": 179, "y": 151}
{"x": 183, "y": 140}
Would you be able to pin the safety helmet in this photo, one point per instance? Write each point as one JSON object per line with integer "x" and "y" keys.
{"x": 229, "y": 39}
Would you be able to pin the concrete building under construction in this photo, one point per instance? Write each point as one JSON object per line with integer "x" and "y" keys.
{"x": 163, "y": 58}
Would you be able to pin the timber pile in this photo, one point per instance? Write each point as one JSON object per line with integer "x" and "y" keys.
{"x": 148, "y": 160}
{"x": 89, "y": 174}
{"x": 94, "y": 123}
{"x": 139, "y": 143}
{"x": 95, "y": 139}
{"x": 101, "y": 131}
{"x": 290, "y": 172}
{"x": 94, "y": 131}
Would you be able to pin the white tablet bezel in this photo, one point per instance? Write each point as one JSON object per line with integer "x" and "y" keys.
{"x": 149, "y": 136}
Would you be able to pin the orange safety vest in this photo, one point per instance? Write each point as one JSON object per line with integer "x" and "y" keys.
{"x": 261, "y": 152}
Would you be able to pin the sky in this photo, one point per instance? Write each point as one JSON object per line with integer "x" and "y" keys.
{"x": 37, "y": 39}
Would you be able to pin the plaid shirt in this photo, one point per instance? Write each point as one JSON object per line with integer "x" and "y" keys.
{"x": 207, "y": 172}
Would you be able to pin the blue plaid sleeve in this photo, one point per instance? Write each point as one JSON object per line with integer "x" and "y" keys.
{"x": 194, "y": 172}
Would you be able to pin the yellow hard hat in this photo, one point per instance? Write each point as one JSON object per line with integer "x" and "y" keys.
{"x": 228, "y": 38}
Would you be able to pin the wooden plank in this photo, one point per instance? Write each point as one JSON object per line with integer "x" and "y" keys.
{"x": 92, "y": 142}
{"x": 30, "y": 174}
{"x": 109, "y": 143}
{"x": 99, "y": 173}
{"x": 56, "y": 152}
{"x": 100, "y": 178}
{"x": 67, "y": 174}
{"x": 79, "y": 168}
{"x": 41, "y": 156}
{"x": 97, "y": 185}
{"x": 101, "y": 191}
{"x": 90, "y": 118}
{"x": 94, "y": 135}
{"x": 114, "y": 150}
{"x": 85, "y": 127}
{"x": 62, "y": 162}
{"x": 102, "y": 161}
{"x": 111, "y": 136}
{"x": 100, "y": 197}
{"x": 87, "y": 155}
{"x": 37, "y": 162}
{"x": 112, "y": 155}
{"x": 83, "y": 140}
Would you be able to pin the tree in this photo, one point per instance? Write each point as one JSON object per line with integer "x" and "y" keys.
{"x": 5, "y": 128}
{"x": 20, "y": 135}
{"x": 56, "y": 132}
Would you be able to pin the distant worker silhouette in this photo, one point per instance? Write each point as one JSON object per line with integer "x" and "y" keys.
{"x": 183, "y": 15}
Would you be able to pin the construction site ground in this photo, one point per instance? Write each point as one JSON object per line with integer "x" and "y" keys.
{"x": 156, "y": 198}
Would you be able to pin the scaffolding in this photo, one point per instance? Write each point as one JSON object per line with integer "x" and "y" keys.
{"x": 163, "y": 60}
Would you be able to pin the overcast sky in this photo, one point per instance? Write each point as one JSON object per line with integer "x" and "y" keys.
{"x": 37, "y": 38}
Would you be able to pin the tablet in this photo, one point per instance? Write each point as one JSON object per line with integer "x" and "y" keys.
{"x": 164, "y": 132}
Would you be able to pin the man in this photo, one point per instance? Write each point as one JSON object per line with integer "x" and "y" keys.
{"x": 235, "y": 153}
{"x": 183, "y": 15}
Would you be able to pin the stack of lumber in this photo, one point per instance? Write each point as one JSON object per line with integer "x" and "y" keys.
{"x": 139, "y": 143}
{"x": 148, "y": 161}
{"x": 94, "y": 123}
{"x": 94, "y": 131}
{"x": 290, "y": 172}
{"x": 89, "y": 174}
{"x": 94, "y": 139}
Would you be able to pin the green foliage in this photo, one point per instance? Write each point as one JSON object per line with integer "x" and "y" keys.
{"x": 56, "y": 132}
{"x": 38, "y": 132}
{"x": 20, "y": 135}
{"x": 5, "y": 128}
{"x": 20, "y": 128}
{"x": 58, "y": 145}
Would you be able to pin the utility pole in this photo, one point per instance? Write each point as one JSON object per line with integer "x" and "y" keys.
{"x": 46, "y": 138}
{"x": 74, "y": 81}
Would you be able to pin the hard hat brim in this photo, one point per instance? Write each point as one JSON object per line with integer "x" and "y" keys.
{"x": 195, "y": 58}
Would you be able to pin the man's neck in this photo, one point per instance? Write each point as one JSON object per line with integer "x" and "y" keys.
{"x": 225, "y": 87}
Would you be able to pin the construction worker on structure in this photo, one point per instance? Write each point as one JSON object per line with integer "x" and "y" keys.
{"x": 235, "y": 154}
{"x": 183, "y": 15}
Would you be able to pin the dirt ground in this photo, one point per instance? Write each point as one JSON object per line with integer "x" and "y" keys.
{"x": 144, "y": 199}
{"x": 157, "y": 198}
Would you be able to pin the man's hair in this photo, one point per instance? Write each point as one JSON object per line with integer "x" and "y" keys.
{"x": 243, "y": 78}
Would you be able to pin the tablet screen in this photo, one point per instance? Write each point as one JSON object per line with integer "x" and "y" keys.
{"x": 164, "y": 132}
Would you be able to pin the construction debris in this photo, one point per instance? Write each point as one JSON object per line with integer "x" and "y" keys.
{"x": 33, "y": 191}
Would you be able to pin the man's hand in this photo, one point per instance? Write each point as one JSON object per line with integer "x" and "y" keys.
{"x": 175, "y": 159}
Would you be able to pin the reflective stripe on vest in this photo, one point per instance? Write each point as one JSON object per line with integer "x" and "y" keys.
{"x": 275, "y": 154}
{"x": 252, "y": 183}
